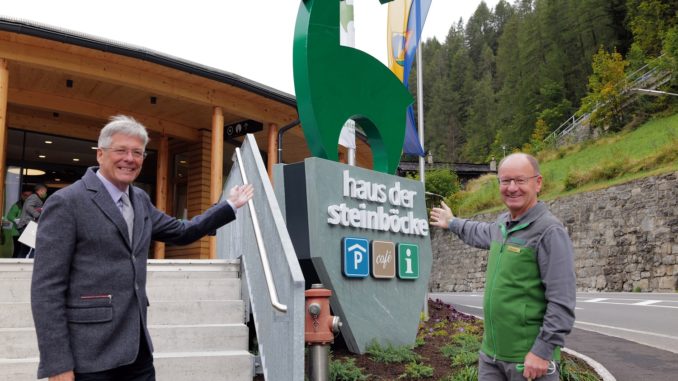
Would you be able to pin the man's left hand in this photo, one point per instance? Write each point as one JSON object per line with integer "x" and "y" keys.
{"x": 240, "y": 194}
{"x": 535, "y": 366}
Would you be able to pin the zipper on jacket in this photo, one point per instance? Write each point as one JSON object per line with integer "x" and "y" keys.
{"x": 504, "y": 236}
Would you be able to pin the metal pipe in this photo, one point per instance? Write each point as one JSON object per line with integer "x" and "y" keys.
{"x": 420, "y": 108}
{"x": 320, "y": 363}
{"x": 281, "y": 131}
{"x": 272, "y": 292}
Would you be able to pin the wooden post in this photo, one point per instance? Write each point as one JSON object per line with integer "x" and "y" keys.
{"x": 272, "y": 149}
{"x": 4, "y": 89}
{"x": 217, "y": 174}
{"x": 161, "y": 187}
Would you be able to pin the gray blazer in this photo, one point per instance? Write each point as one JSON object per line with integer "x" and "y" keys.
{"x": 88, "y": 293}
{"x": 30, "y": 211}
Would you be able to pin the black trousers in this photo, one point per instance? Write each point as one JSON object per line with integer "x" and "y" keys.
{"x": 141, "y": 369}
{"x": 17, "y": 248}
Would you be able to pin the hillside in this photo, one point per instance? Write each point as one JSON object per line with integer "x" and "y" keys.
{"x": 648, "y": 150}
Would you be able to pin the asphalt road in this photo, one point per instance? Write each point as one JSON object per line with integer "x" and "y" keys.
{"x": 633, "y": 335}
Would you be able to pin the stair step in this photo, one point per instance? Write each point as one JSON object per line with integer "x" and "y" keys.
{"x": 171, "y": 366}
{"x": 196, "y": 312}
{"x": 195, "y": 318}
{"x": 19, "y": 289}
{"x": 189, "y": 338}
{"x": 183, "y": 269}
{"x": 212, "y": 366}
{"x": 19, "y": 370}
{"x": 161, "y": 289}
{"x": 16, "y": 315}
{"x": 15, "y": 289}
{"x": 17, "y": 343}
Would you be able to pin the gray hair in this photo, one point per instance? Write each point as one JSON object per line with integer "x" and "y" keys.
{"x": 124, "y": 125}
{"x": 531, "y": 159}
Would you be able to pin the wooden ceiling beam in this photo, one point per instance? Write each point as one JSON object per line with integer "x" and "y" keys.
{"x": 57, "y": 126}
{"x": 53, "y": 102}
{"x": 198, "y": 90}
{"x": 35, "y": 123}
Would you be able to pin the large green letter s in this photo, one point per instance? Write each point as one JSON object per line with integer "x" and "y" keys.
{"x": 334, "y": 83}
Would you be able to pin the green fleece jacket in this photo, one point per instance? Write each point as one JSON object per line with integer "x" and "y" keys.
{"x": 530, "y": 289}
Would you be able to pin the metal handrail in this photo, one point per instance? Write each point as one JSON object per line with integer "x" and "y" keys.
{"x": 630, "y": 81}
{"x": 272, "y": 292}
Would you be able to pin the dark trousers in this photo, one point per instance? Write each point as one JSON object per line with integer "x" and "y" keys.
{"x": 141, "y": 369}
{"x": 16, "y": 252}
{"x": 20, "y": 250}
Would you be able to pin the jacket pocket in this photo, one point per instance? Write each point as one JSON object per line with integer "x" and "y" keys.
{"x": 89, "y": 314}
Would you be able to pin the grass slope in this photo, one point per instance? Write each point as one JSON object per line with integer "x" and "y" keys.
{"x": 648, "y": 150}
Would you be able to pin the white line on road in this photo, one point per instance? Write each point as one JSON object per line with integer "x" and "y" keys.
{"x": 596, "y": 300}
{"x": 626, "y": 330}
{"x": 632, "y": 304}
{"x": 646, "y": 302}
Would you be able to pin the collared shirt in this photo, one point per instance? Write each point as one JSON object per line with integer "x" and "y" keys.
{"x": 112, "y": 189}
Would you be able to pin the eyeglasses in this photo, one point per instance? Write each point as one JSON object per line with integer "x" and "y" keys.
{"x": 122, "y": 151}
{"x": 506, "y": 181}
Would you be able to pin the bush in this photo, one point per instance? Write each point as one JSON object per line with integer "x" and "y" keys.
{"x": 345, "y": 370}
{"x": 480, "y": 194}
{"x": 469, "y": 373}
{"x": 465, "y": 358}
{"x": 570, "y": 371}
{"x": 390, "y": 354}
{"x": 417, "y": 371}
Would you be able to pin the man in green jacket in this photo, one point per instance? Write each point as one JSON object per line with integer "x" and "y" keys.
{"x": 13, "y": 216}
{"x": 530, "y": 289}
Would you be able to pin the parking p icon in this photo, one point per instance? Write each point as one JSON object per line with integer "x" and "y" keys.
{"x": 355, "y": 263}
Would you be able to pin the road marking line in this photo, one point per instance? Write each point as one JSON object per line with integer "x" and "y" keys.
{"x": 468, "y": 305}
{"x": 646, "y": 302}
{"x": 627, "y": 330}
{"x": 635, "y": 304}
{"x": 596, "y": 300}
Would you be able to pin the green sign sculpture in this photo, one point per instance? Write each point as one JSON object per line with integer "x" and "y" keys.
{"x": 334, "y": 83}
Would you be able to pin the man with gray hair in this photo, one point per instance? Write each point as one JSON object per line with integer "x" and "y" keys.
{"x": 88, "y": 293}
{"x": 530, "y": 288}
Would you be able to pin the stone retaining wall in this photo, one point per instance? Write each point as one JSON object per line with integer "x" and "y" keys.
{"x": 624, "y": 239}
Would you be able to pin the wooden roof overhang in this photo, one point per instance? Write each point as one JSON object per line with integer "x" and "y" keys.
{"x": 66, "y": 81}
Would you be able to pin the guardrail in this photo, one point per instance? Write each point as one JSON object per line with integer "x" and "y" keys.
{"x": 272, "y": 292}
{"x": 644, "y": 77}
{"x": 273, "y": 285}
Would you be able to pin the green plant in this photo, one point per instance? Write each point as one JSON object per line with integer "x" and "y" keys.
{"x": 465, "y": 358}
{"x": 463, "y": 350}
{"x": 570, "y": 371}
{"x": 637, "y": 289}
{"x": 417, "y": 371}
{"x": 345, "y": 370}
{"x": 468, "y": 373}
{"x": 390, "y": 353}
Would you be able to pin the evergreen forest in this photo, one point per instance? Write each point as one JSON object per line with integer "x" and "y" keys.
{"x": 507, "y": 77}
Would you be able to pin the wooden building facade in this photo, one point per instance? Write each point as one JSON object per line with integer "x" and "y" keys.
{"x": 58, "y": 88}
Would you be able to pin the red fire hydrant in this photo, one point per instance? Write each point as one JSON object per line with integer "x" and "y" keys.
{"x": 319, "y": 329}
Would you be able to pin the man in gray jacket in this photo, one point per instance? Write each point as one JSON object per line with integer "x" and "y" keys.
{"x": 88, "y": 293}
{"x": 31, "y": 212}
{"x": 530, "y": 283}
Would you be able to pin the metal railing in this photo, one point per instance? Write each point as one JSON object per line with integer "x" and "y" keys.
{"x": 273, "y": 293}
{"x": 272, "y": 282}
{"x": 644, "y": 77}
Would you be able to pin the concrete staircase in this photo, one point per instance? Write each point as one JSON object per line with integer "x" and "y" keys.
{"x": 196, "y": 321}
